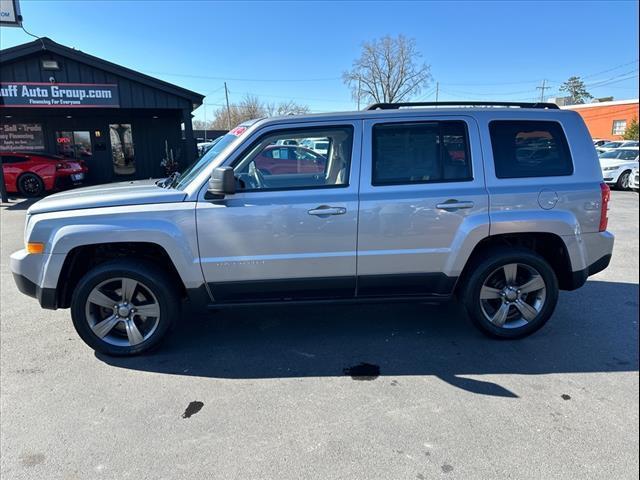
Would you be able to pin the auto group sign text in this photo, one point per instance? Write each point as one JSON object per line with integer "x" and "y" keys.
{"x": 67, "y": 95}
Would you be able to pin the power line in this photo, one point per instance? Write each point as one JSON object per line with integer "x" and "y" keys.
{"x": 282, "y": 80}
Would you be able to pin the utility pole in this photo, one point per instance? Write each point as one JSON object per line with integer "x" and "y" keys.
{"x": 3, "y": 188}
{"x": 226, "y": 94}
{"x": 542, "y": 89}
{"x": 205, "y": 120}
{"x": 437, "y": 90}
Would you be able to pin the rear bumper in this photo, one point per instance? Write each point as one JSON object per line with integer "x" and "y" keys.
{"x": 579, "y": 278}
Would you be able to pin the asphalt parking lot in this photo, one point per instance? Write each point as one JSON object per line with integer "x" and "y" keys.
{"x": 260, "y": 393}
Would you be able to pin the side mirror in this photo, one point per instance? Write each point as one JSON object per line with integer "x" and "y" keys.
{"x": 222, "y": 182}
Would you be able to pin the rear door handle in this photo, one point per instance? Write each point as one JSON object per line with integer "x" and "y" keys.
{"x": 325, "y": 210}
{"x": 453, "y": 205}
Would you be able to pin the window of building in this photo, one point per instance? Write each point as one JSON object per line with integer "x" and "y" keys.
{"x": 74, "y": 144}
{"x": 21, "y": 137}
{"x": 122, "y": 151}
{"x": 529, "y": 149}
{"x": 421, "y": 152}
{"x": 297, "y": 159}
{"x": 618, "y": 127}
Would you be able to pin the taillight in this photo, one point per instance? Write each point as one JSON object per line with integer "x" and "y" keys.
{"x": 605, "y": 193}
{"x": 59, "y": 166}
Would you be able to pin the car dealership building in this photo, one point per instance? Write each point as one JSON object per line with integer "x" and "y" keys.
{"x": 58, "y": 100}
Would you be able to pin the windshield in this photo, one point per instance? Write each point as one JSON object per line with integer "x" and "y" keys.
{"x": 611, "y": 145}
{"x": 195, "y": 168}
{"x": 609, "y": 154}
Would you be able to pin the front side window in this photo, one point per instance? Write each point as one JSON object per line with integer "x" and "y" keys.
{"x": 628, "y": 155}
{"x": 619, "y": 126}
{"x": 523, "y": 149}
{"x": 287, "y": 160}
{"x": 420, "y": 152}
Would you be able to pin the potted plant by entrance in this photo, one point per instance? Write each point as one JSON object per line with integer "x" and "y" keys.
{"x": 170, "y": 161}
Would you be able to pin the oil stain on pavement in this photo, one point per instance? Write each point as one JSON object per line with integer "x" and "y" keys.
{"x": 192, "y": 409}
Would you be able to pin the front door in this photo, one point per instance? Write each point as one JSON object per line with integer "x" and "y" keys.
{"x": 423, "y": 204}
{"x": 290, "y": 231}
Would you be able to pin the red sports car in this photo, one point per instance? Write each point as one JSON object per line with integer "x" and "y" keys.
{"x": 286, "y": 159}
{"x": 33, "y": 174}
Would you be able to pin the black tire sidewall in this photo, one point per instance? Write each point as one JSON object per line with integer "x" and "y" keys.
{"x": 494, "y": 261}
{"x": 21, "y": 189}
{"x": 153, "y": 278}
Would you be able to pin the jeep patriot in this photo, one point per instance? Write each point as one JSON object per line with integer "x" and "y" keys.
{"x": 499, "y": 205}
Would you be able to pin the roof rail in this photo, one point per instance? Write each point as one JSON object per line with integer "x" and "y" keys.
{"x": 392, "y": 106}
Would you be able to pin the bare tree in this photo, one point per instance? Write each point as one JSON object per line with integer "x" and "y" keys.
{"x": 251, "y": 107}
{"x": 286, "y": 108}
{"x": 388, "y": 70}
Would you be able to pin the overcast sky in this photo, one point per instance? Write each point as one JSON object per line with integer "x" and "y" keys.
{"x": 295, "y": 50}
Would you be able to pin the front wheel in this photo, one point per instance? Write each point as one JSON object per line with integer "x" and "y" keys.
{"x": 124, "y": 307}
{"x": 511, "y": 294}
{"x": 623, "y": 181}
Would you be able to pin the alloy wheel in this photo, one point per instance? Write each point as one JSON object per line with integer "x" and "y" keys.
{"x": 122, "y": 311}
{"x": 513, "y": 295}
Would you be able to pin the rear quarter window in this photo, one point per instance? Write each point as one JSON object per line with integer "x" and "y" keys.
{"x": 523, "y": 149}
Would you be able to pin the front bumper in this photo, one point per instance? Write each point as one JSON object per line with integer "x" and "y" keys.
{"x": 26, "y": 273}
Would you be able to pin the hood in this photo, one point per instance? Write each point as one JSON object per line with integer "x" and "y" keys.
{"x": 136, "y": 192}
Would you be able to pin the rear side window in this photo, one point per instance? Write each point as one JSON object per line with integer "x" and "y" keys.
{"x": 524, "y": 149}
{"x": 421, "y": 152}
{"x": 12, "y": 159}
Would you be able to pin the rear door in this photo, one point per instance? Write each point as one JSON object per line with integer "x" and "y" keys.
{"x": 423, "y": 204}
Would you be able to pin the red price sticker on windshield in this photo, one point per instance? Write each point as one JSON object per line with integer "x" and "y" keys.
{"x": 238, "y": 131}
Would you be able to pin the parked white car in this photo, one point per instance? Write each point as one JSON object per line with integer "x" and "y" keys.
{"x": 607, "y": 147}
{"x": 617, "y": 165}
{"x": 634, "y": 180}
{"x": 318, "y": 145}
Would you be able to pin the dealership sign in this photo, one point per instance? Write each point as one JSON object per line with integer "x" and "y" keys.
{"x": 10, "y": 13}
{"x": 16, "y": 137}
{"x": 61, "y": 95}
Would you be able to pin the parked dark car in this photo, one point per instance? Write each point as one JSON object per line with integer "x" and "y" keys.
{"x": 33, "y": 174}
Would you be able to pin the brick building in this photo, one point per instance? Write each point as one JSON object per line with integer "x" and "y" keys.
{"x": 607, "y": 120}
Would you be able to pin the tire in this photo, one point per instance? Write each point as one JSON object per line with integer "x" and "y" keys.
{"x": 623, "y": 180}
{"x": 152, "y": 292}
{"x": 30, "y": 185}
{"x": 483, "y": 304}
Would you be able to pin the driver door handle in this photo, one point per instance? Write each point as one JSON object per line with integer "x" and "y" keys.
{"x": 325, "y": 210}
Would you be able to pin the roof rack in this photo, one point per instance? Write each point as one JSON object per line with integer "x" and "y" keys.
{"x": 392, "y": 106}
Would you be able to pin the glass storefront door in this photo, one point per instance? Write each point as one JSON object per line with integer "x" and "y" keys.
{"x": 122, "y": 151}
{"x": 74, "y": 144}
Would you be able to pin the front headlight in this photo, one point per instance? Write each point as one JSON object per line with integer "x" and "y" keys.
{"x": 609, "y": 169}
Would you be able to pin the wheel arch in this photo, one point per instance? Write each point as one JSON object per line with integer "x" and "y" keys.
{"x": 81, "y": 259}
{"x": 549, "y": 246}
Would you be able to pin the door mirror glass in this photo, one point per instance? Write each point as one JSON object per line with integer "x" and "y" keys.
{"x": 222, "y": 182}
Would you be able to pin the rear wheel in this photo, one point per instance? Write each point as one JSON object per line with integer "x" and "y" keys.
{"x": 623, "y": 180}
{"x": 124, "y": 307}
{"x": 30, "y": 185}
{"x": 511, "y": 294}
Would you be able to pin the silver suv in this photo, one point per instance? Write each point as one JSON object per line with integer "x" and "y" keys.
{"x": 499, "y": 204}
